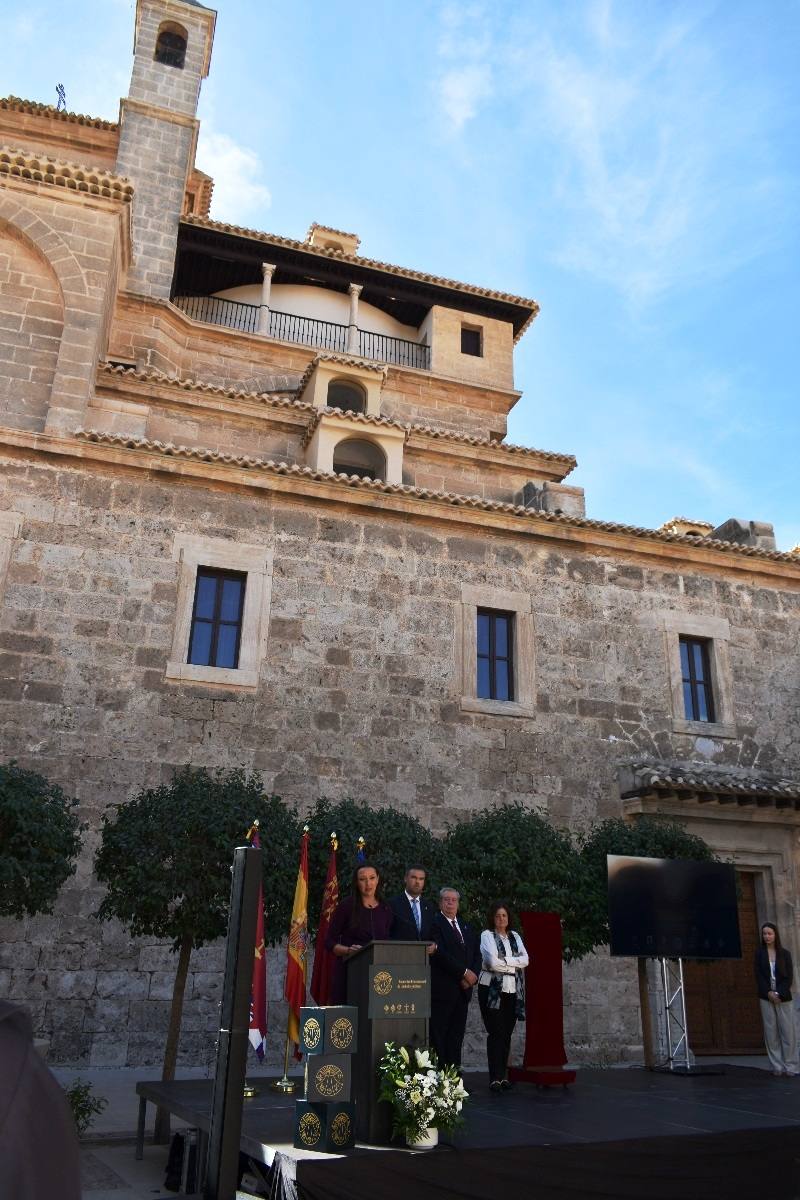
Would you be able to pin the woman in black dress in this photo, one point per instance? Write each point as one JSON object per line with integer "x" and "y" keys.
{"x": 357, "y": 920}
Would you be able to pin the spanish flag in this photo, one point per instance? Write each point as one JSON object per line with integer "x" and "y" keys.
{"x": 295, "y": 990}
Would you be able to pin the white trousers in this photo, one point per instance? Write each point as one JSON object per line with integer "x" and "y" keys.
{"x": 780, "y": 1036}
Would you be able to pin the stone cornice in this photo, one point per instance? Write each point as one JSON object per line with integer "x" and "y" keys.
{"x": 670, "y": 551}
{"x": 42, "y": 169}
{"x": 545, "y": 463}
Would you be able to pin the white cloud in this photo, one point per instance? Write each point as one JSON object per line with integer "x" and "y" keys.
{"x": 239, "y": 195}
{"x": 465, "y": 50}
{"x": 461, "y": 92}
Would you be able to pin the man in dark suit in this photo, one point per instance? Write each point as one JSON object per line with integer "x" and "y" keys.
{"x": 454, "y": 973}
{"x": 413, "y": 916}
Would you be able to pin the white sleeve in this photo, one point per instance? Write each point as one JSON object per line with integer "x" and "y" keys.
{"x": 520, "y": 960}
{"x": 491, "y": 962}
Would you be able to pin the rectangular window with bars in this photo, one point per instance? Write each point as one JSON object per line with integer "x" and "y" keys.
{"x": 217, "y": 618}
{"x": 495, "y": 655}
{"x": 698, "y": 697}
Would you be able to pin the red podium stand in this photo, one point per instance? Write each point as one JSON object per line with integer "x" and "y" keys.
{"x": 545, "y": 1057}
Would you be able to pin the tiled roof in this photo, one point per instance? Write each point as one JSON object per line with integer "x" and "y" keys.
{"x": 15, "y": 104}
{"x": 346, "y": 360}
{"x": 358, "y": 260}
{"x": 568, "y": 460}
{"x": 361, "y": 418}
{"x": 458, "y": 501}
{"x": 329, "y": 229}
{"x": 151, "y": 375}
{"x": 41, "y": 168}
{"x": 686, "y": 521}
{"x": 639, "y": 777}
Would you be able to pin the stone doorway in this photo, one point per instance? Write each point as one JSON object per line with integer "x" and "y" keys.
{"x": 721, "y": 1003}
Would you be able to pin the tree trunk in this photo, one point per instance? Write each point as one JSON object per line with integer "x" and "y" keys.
{"x": 647, "y": 1019}
{"x": 161, "y": 1133}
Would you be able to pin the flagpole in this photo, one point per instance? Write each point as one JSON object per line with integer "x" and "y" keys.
{"x": 286, "y": 1085}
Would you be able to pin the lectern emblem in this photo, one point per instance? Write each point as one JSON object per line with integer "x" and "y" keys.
{"x": 382, "y": 983}
{"x": 311, "y": 1032}
{"x": 341, "y": 1033}
{"x": 340, "y": 1129}
{"x": 329, "y": 1080}
{"x": 310, "y": 1129}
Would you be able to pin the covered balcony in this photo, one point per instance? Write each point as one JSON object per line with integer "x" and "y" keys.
{"x": 306, "y": 331}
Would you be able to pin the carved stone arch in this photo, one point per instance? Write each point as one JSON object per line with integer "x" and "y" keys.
{"x": 48, "y": 243}
{"x": 82, "y": 326}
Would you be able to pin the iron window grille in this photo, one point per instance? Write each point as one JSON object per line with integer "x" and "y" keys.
{"x": 495, "y": 655}
{"x": 698, "y": 697}
{"x": 216, "y": 630}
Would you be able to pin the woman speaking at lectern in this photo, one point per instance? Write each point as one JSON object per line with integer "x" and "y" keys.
{"x": 357, "y": 920}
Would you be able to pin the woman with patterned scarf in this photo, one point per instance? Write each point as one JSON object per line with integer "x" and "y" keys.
{"x": 501, "y": 990}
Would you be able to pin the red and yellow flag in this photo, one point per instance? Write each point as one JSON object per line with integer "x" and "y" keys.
{"x": 295, "y": 990}
{"x": 324, "y": 961}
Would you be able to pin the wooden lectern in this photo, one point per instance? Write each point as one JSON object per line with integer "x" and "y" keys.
{"x": 389, "y": 982}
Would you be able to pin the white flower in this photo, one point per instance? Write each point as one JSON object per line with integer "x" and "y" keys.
{"x": 423, "y": 1058}
{"x": 416, "y": 1095}
{"x": 404, "y": 1054}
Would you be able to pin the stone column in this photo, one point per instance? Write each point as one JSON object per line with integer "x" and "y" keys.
{"x": 267, "y": 271}
{"x": 352, "y": 324}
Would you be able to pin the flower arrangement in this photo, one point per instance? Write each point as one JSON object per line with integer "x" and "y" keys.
{"x": 422, "y": 1094}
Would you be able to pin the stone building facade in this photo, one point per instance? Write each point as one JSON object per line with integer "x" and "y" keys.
{"x": 179, "y": 398}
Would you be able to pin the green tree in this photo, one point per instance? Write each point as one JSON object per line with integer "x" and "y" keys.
{"x": 165, "y": 857}
{"x": 513, "y": 853}
{"x": 39, "y": 841}
{"x": 393, "y": 839}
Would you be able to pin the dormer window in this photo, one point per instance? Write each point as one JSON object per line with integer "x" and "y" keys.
{"x": 347, "y": 396}
{"x": 354, "y": 456}
{"x": 171, "y": 45}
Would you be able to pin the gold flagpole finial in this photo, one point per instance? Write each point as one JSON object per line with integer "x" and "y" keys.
{"x": 252, "y": 830}
{"x": 334, "y": 840}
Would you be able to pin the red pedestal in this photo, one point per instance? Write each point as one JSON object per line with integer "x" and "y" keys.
{"x": 545, "y": 1057}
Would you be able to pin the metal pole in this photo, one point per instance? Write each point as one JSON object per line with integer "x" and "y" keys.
{"x": 226, "y": 1106}
{"x": 285, "y": 1085}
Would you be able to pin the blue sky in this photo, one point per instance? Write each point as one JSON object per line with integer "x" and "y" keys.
{"x": 633, "y": 166}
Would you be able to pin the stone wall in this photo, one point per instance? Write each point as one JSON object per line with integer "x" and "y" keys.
{"x": 32, "y": 321}
{"x": 359, "y": 695}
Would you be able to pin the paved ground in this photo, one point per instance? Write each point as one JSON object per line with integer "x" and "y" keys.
{"x": 110, "y": 1170}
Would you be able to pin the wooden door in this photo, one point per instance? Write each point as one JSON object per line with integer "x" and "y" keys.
{"x": 721, "y": 1002}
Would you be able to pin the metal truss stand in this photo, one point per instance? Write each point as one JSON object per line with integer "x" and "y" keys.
{"x": 679, "y": 1060}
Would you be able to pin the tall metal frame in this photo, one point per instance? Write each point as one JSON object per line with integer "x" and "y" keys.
{"x": 675, "y": 1009}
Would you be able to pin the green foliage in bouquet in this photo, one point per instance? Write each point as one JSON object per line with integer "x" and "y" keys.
{"x": 422, "y": 1094}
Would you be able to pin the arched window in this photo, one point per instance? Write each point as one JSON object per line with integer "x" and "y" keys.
{"x": 353, "y": 456}
{"x": 171, "y": 45}
{"x": 347, "y": 396}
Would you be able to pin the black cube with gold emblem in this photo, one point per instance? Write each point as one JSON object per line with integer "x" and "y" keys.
{"x": 328, "y": 1078}
{"x": 327, "y": 1128}
{"x": 329, "y": 1030}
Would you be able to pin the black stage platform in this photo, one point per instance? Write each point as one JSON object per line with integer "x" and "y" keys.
{"x": 615, "y": 1133}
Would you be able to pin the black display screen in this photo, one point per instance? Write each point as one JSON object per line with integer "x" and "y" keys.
{"x": 672, "y": 908}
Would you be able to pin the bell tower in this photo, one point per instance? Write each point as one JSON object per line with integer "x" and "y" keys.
{"x": 158, "y": 130}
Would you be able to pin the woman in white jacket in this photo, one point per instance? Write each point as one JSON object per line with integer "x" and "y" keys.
{"x": 501, "y": 990}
